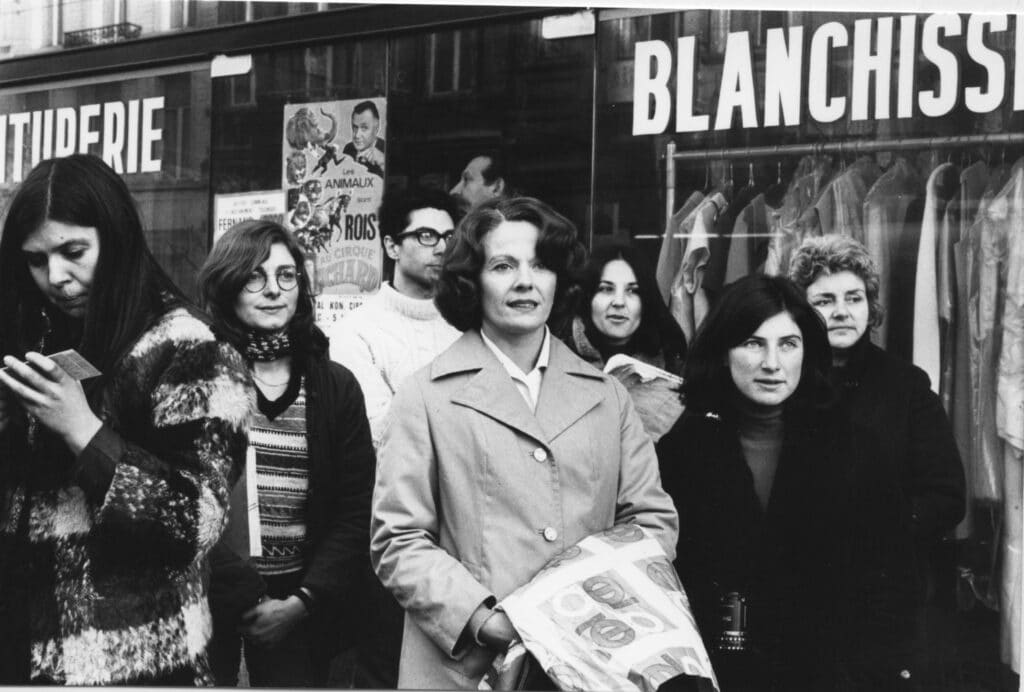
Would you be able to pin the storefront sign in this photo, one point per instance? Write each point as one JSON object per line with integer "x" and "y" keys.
{"x": 333, "y": 172}
{"x": 884, "y": 49}
{"x": 235, "y": 208}
{"x": 122, "y": 133}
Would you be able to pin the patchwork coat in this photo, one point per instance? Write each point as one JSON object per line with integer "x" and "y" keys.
{"x": 112, "y": 544}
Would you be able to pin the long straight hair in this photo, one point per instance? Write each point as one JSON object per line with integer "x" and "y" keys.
{"x": 129, "y": 289}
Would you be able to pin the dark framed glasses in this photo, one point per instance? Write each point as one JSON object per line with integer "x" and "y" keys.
{"x": 287, "y": 278}
{"x": 427, "y": 237}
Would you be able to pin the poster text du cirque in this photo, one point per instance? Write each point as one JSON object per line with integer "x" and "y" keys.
{"x": 878, "y": 51}
{"x": 122, "y": 133}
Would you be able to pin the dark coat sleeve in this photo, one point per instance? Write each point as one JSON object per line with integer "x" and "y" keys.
{"x": 341, "y": 550}
{"x": 935, "y": 475}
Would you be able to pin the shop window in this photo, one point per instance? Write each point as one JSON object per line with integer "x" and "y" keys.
{"x": 451, "y": 60}
{"x": 912, "y": 181}
{"x": 166, "y": 167}
{"x": 496, "y": 88}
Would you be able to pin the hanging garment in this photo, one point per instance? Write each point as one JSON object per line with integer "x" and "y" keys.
{"x": 791, "y": 221}
{"x": 840, "y": 206}
{"x": 892, "y": 214}
{"x": 721, "y": 242}
{"x": 960, "y": 214}
{"x": 1007, "y": 212}
{"x": 942, "y": 184}
{"x": 984, "y": 259}
{"x": 688, "y": 301}
{"x": 748, "y": 247}
{"x": 672, "y": 245}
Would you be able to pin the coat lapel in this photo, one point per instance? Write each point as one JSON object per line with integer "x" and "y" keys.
{"x": 570, "y": 388}
{"x": 490, "y": 391}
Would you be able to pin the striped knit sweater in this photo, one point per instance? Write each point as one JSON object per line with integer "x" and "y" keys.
{"x": 116, "y": 547}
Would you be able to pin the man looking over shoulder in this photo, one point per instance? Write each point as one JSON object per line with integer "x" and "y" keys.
{"x": 399, "y": 330}
{"x": 483, "y": 178}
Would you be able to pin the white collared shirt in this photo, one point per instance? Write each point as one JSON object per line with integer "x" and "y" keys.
{"x": 527, "y": 384}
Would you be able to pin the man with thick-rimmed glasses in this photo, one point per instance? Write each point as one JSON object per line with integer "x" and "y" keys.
{"x": 384, "y": 341}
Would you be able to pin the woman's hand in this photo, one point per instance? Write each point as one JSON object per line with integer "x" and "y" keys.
{"x": 53, "y": 397}
{"x": 497, "y": 631}
{"x": 270, "y": 621}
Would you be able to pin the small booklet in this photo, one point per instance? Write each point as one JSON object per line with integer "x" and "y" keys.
{"x": 73, "y": 363}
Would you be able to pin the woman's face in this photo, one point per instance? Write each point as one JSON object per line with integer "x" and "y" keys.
{"x": 271, "y": 308}
{"x": 766, "y": 366}
{"x": 516, "y": 290}
{"x": 842, "y": 300}
{"x": 616, "y": 308}
{"x": 61, "y": 260}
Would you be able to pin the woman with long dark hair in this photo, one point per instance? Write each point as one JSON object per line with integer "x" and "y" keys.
{"x": 310, "y": 463}
{"x": 741, "y": 464}
{"x": 504, "y": 451}
{"x": 111, "y": 493}
{"x": 621, "y": 311}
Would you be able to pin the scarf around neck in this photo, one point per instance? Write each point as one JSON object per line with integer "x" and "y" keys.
{"x": 265, "y": 347}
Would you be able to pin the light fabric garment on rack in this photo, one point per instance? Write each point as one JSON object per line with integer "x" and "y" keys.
{"x": 942, "y": 184}
{"x": 796, "y": 218}
{"x": 985, "y": 259}
{"x": 748, "y": 247}
{"x": 721, "y": 242}
{"x": 960, "y": 214}
{"x": 670, "y": 255}
{"x": 892, "y": 212}
{"x": 1007, "y": 212}
{"x": 841, "y": 203}
{"x": 688, "y": 300}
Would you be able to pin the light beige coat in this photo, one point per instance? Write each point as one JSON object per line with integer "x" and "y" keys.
{"x": 475, "y": 492}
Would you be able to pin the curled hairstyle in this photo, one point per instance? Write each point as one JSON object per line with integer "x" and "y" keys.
{"x": 831, "y": 254}
{"x": 741, "y": 308}
{"x": 558, "y": 247}
{"x": 658, "y": 331}
{"x": 238, "y": 253}
{"x": 129, "y": 289}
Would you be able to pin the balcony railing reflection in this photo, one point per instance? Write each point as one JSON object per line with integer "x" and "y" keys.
{"x": 95, "y": 36}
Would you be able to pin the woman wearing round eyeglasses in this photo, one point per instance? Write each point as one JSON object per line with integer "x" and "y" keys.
{"x": 310, "y": 461}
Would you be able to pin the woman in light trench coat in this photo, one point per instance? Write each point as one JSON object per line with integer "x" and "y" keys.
{"x": 502, "y": 452}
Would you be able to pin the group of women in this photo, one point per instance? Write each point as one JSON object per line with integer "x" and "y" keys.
{"x": 798, "y": 492}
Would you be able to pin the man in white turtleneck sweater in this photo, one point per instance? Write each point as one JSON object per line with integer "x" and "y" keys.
{"x": 399, "y": 330}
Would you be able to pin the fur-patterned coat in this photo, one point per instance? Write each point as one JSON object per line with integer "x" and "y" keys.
{"x": 114, "y": 543}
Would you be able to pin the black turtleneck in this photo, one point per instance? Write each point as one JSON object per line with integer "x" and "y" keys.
{"x": 760, "y": 432}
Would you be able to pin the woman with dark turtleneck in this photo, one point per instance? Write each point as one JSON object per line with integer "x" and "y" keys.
{"x": 741, "y": 465}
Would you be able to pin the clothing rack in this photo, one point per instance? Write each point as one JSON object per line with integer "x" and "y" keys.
{"x": 850, "y": 146}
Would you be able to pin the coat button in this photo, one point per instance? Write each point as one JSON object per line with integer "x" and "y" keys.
{"x": 550, "y": 535}
{"x": 540, "y": 454}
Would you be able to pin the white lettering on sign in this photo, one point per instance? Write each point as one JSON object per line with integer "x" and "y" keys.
{"x": 796, "y": 69}
{"x": 124, "y": 134}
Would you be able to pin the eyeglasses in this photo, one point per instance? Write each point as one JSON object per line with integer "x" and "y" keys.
{"x": 427, "y": 237}
{"x": 287, "y": 278}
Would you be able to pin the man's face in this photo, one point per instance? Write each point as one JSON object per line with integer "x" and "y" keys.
{"x": 472, "y": 189}
{"x": 364, "y": 130}
{"x": 417, "y": 266}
